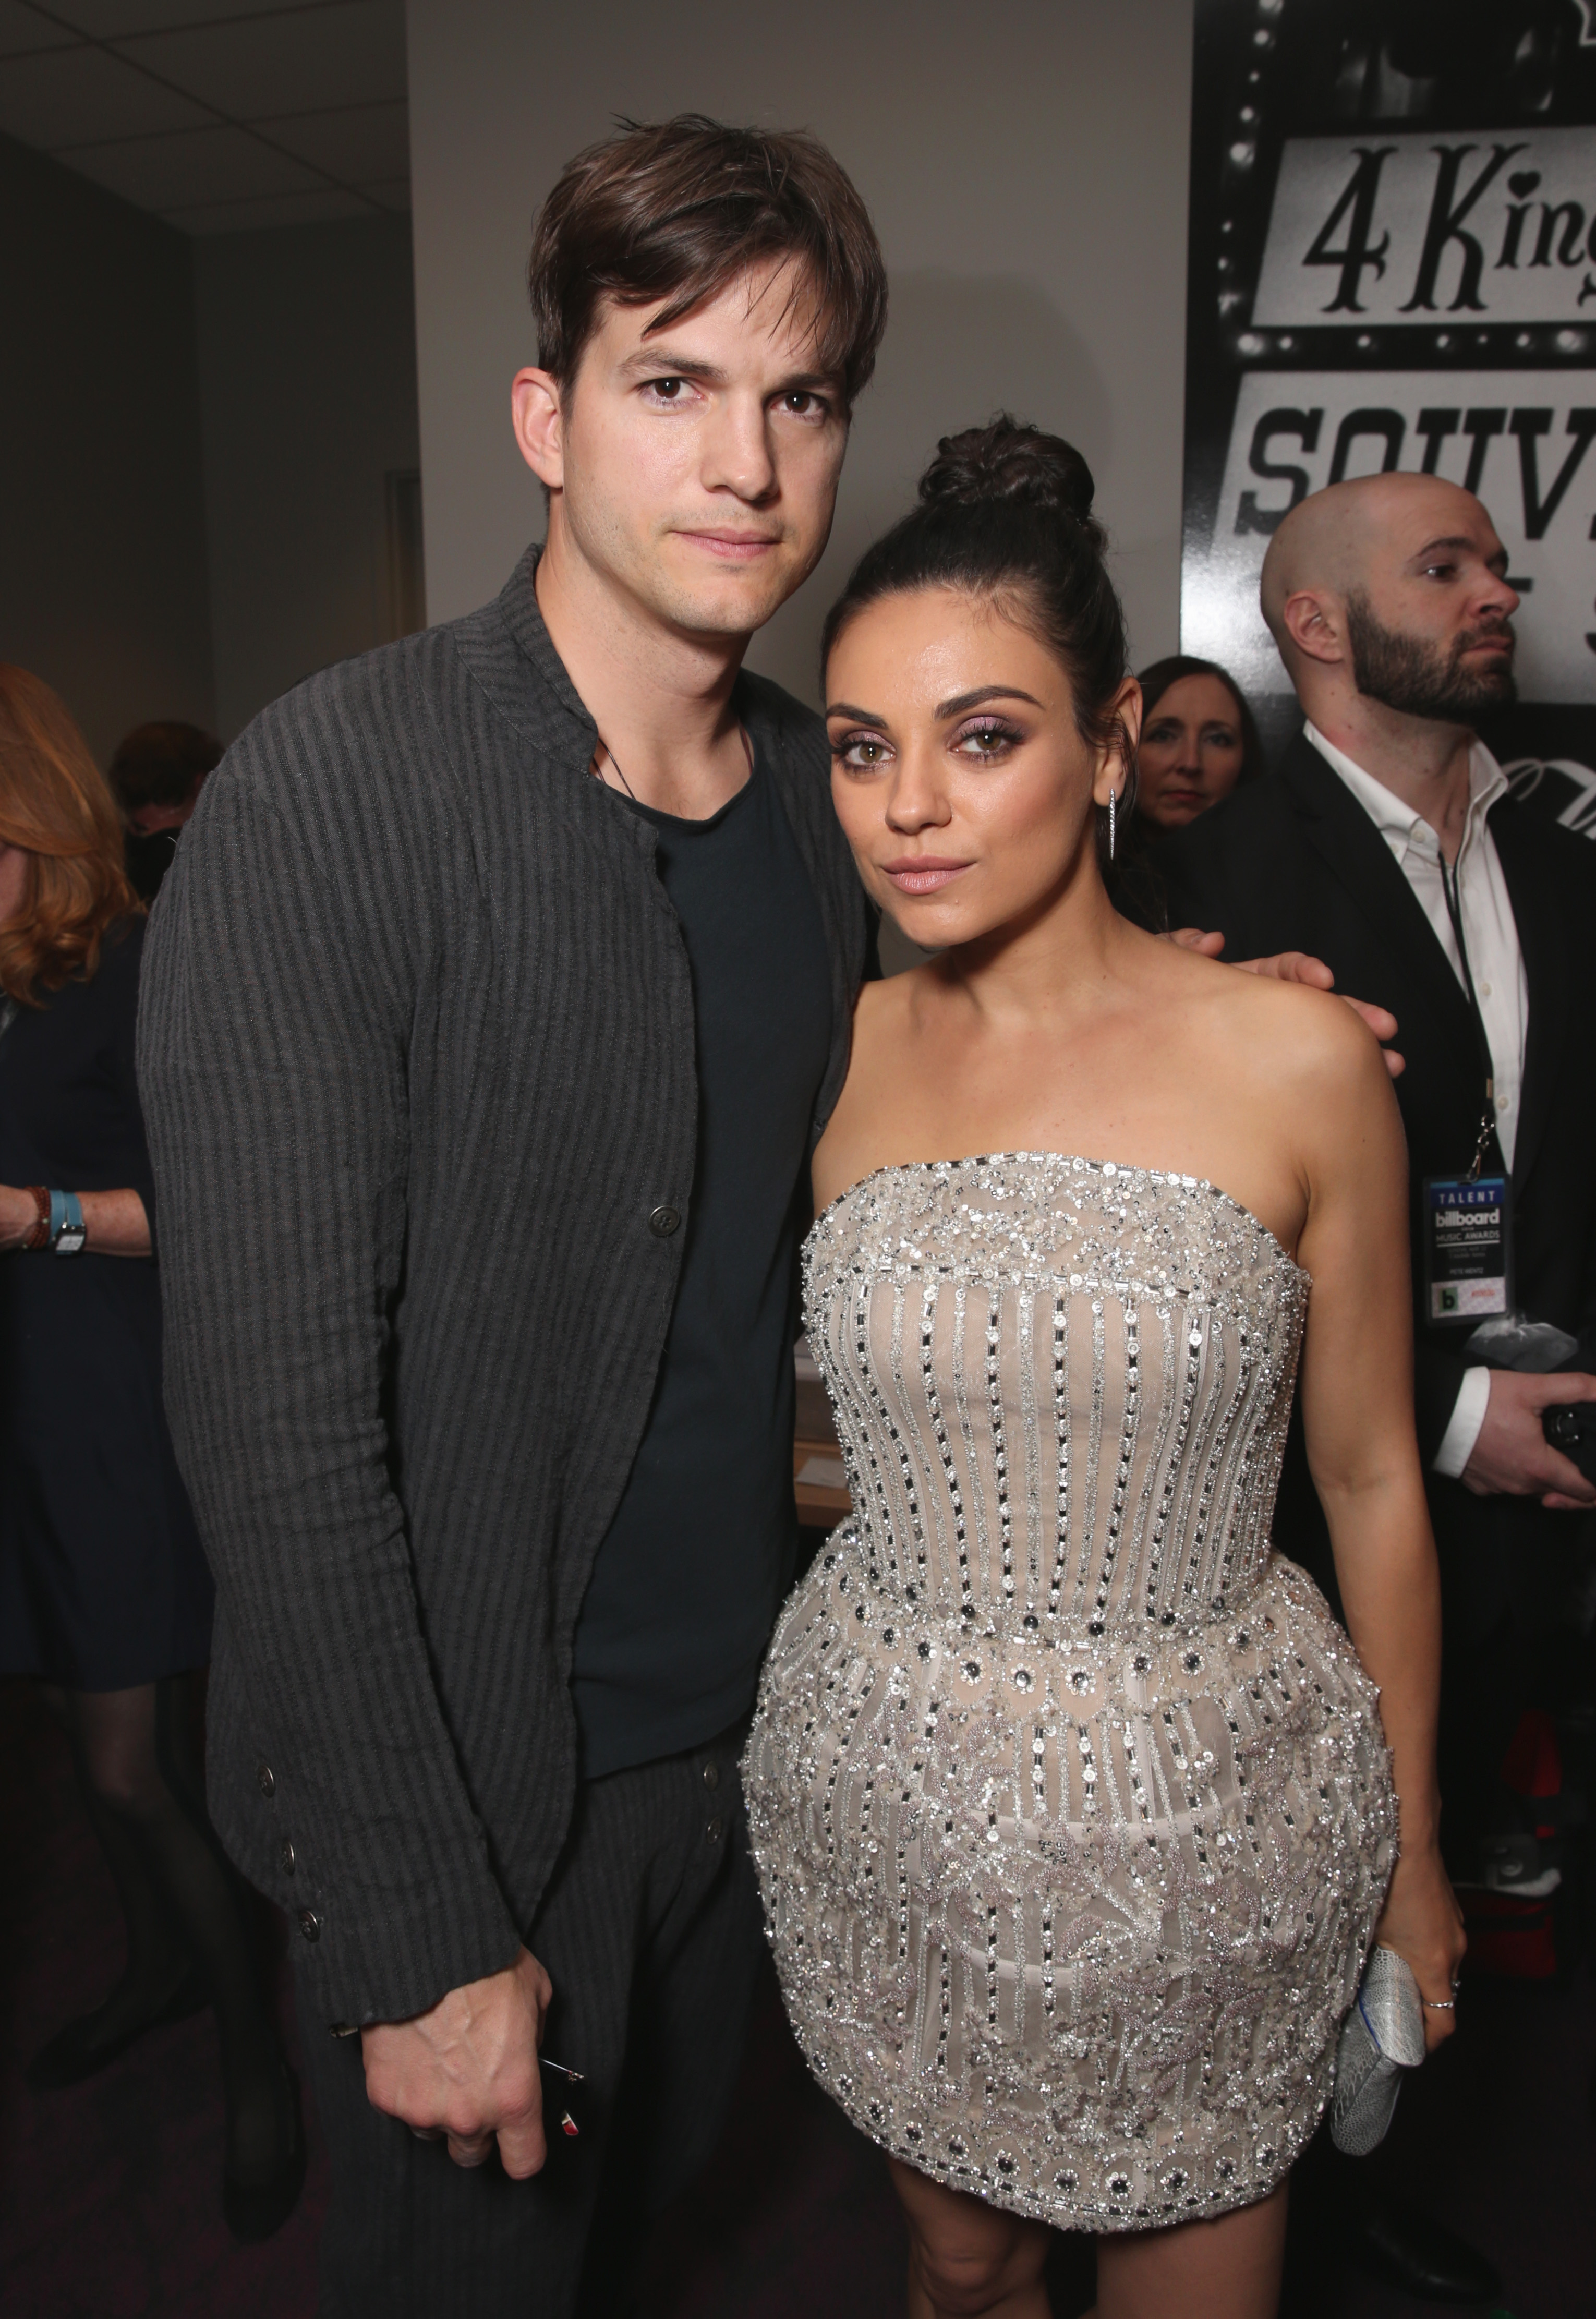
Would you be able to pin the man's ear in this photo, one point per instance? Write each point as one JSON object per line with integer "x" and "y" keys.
{"x": 1316, "y": 624}
{"x": 538, "y": 419}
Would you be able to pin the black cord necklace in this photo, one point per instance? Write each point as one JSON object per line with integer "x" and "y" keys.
{"x": 594, "y": 769}
{"x": 594, "y": 766}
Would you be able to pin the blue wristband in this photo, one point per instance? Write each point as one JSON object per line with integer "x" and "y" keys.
{"x": 67, "y": 1230}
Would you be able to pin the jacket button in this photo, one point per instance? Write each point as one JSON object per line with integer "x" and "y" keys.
{"x": 664, "y": 1221}
{"x": 287, "y": 1857}
{"x": 310, "y": 1923}
{"x": 715, "y": 1829}
{"x": 264, "y": 1780}
{"x": 711, "y": 1776}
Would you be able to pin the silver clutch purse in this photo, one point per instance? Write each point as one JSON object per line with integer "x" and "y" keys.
{"x": 1381, "y": 2038}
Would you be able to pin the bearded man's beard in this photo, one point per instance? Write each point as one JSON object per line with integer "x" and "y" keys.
{"x": 1420, "y": 679}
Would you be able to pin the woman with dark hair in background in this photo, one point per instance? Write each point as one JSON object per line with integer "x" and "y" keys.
{"x": 1198, "y": 740}
{"x": 1072, "y": 1803}
{"x": 155, "y": 778}
{"x": 105, "y": 1596}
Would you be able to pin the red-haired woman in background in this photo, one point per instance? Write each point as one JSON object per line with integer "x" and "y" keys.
{"x": 105, "y": 1596}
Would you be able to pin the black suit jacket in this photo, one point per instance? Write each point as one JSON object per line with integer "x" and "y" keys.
{"x": 1293, "y": 863}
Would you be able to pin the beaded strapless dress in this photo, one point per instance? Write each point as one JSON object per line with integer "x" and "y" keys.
{"x": 1069, "y": 1798}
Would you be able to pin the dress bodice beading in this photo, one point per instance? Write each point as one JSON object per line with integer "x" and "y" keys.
{"x": 1069, "y": 1796}
{"x": 1061, "y": 1388}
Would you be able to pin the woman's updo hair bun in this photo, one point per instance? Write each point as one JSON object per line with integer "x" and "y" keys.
{"x": 1013, "y": 464}
{"x": 1006, "y": 516}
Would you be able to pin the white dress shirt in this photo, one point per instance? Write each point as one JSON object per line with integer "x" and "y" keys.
{"x": 1492, "y": 934}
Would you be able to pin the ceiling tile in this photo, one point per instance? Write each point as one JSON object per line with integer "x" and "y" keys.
{"x": 115, "y": 20}
{"x": 304, "y": 61}
{"x": 200, "y": 166}
{"x": 76, "y": 96}
{"x": 21, "y": 29}
{"x": 282, "y": 209}
{"x": 357, "y": 142}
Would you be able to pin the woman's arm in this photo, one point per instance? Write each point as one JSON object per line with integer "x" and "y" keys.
{"x": 1357, "y": 1412}
{"x": 117, "y": 1224}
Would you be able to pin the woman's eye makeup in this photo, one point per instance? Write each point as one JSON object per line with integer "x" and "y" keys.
{"x": 982, "y": 741}
{"x": 861, "y": 752}
{"x": 985, "y": 738}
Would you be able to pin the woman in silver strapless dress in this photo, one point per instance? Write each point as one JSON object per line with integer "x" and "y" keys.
{"x": 1071, "y": 1802}
{"x": 1069, "y": 1795}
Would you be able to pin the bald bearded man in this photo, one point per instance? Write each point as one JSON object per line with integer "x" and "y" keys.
{"x": 1386, "y": 844}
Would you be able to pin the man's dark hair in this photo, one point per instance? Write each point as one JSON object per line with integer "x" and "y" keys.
{"x": 676, "y": 210}
{"x": 159, "y": 765}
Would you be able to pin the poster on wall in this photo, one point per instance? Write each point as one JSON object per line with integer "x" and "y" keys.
{"x": 1392, "y": 265}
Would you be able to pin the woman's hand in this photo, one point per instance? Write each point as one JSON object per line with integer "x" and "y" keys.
{"x": 1423, "y": 1923}
{"x": 18, "y": 1217}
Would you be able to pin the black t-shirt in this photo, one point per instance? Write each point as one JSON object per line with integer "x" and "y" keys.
{"x": 149, "y": 859}
{"x": 693, "y": 1568}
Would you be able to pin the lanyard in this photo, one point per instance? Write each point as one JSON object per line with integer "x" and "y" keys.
{"x": 1449, "y": 887}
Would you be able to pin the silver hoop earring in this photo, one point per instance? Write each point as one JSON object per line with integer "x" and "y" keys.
{"x": 1112, "y": 834}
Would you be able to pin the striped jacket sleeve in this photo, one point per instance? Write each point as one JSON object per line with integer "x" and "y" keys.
{"x": 278, "y": 994}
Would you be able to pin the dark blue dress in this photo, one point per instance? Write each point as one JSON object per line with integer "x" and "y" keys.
{"x": 103, "y": 1581}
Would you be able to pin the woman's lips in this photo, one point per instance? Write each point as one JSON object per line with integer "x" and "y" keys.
{"x": 921, "y": 873}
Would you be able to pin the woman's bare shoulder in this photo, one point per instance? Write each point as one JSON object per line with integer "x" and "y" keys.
{"x": 1304, "y": 1055}
{"x": 1291, "y": 1026}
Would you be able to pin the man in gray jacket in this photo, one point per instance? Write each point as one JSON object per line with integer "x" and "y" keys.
{"x": 499, "y": 991}
{"x": 498, "y": 995}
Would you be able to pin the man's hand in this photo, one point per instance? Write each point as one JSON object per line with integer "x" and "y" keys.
{"x": 1296, "y": 966}
{"x": 1512, "y": 1456}
{"x": 468, "y": 2070}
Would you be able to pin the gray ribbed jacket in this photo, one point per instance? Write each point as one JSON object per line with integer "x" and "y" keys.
{"x": 417, "y": 1056}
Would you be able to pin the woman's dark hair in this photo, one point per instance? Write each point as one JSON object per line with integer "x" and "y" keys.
{"x": 1006, "y": 514}
{"x": 161, "y": 764}
{"x": 676, "y": 210}
{"x": 1154, "y": 682}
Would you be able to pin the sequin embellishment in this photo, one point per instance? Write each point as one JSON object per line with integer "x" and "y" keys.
{"x": 1070, "y": 1798}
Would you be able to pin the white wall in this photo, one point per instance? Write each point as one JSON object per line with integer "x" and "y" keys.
{"x": 308, "y": 373}
{"x": 1025, "y": 163}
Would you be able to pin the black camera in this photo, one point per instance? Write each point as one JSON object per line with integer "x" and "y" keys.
{"x": 1571, "y": 1426}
